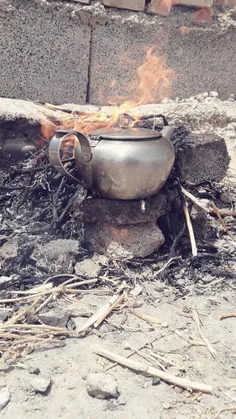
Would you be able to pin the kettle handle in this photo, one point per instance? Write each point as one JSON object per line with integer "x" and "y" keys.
{"x": 83, "y": 160}
{"x": 168, "y": 132}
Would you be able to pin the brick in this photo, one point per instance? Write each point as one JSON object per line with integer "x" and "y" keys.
{"x": 160, "y": 7}
{"x": 137, "y": 5}
{"x": 195, "y": 3}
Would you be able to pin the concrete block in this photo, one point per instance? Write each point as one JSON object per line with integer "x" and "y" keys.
{"x": 117, "y": 52}
{"x": 137, "y": 5}
{"x": 125, "y": 241}
{"x": 202, "y": 157}
{"x": 44, "y": 55}
{"x": 121, "y": 212}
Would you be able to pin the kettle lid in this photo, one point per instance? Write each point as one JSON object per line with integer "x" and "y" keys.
{"x": 125, "y": 134}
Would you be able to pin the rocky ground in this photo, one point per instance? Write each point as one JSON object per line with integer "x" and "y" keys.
{"x": 172, "y": 317}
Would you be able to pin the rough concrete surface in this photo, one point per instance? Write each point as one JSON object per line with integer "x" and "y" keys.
{"x": 199, "y": 59}
{"x": 121, "y": 212}
{"x": 202, "y": 158}
{"x": 46, "y": 55}
{"x": 43, "y": 54}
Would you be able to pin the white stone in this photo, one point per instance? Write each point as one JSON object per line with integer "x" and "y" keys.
{"x": 40, "y": 384}
{"x": 4, "y": 397}
{"x": 213, "y": 94}
{"x": 102, "y": 386}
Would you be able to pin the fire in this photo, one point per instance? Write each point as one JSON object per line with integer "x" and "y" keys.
{"x": 154, "y": 82}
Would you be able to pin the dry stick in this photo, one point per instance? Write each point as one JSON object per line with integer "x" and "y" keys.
{"x": 148, "y": 358}
{"x": 226, "y": 409}
{"x": 145, "y": 345}
{"x": 35, "y": 326}
{"x": 44, "y": 304}
{"x": 9, "y": 336}
{"x": 227, "y": 316}
{"x": 167, "y": 264}
{"x": 190, "y": 228}
{"x": 154, "y": 372}
{"x": 191, "y": 342}
{"x": 166, "y": 360}
{"x": 212, "y": 209}
{"x": 195, "y": 200}
{"x": 60, "y": 288}
{"x": 15, "y": 318}
{"x": 208, "y": 345}
{"x": 117, "y": 301}
{"x": 145, "y": 317}
{"x": 101, "y": 313}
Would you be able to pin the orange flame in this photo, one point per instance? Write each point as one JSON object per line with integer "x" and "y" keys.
{"x": 154, "y": 82}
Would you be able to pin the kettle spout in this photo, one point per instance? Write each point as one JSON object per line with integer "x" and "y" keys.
{"x": 168, "y": 132}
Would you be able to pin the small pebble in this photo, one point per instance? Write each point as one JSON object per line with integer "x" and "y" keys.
{"x": 34, "y": 370}
{"x": 4, "y": 397}
{"x": 179, "y": 390}
{"x": 166, "y": 406}
{"x": 231, "y": 98}
{"x": 156, "y": 381}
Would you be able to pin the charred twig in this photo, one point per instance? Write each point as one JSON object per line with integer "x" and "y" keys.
{"x": 227, "y": 316}
{"x": 67, "y": 207}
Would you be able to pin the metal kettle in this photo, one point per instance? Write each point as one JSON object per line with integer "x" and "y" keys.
{"x": 120, "y": 162}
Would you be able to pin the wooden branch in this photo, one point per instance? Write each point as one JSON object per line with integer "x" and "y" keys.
{"x": 97, "y": 318}
{"x": 227, "y": 316}
{"x": 226, "y": 409}
{"x": 119, "y": 299}
{"x": 154, "y": 372}
{"x": 145, "y": 317}
{"x": 205, "y": 340}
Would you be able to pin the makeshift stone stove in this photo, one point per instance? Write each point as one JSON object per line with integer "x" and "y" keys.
{"x": 123, "y": 229}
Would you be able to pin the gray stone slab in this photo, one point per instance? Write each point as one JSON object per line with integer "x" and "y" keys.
{"x": 44, "y": 54}
{"x": 121, "y": 212}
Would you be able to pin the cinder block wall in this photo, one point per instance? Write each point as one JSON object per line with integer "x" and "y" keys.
{"x": 76, "y": 52}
